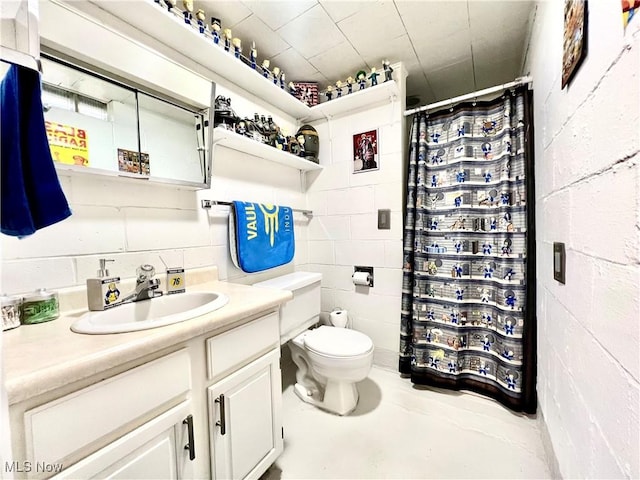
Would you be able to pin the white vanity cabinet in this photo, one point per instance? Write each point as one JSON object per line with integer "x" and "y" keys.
{"x": 245, "y": 399}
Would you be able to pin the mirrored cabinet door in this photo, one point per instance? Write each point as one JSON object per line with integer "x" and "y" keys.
{"x": 98, "y": 125}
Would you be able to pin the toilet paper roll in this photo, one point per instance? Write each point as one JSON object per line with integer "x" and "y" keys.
{"x": 361, "y": 278}
{"x": 339, "y": 318}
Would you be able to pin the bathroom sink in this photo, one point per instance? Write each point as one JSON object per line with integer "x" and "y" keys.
{"x": 156, "y": 312}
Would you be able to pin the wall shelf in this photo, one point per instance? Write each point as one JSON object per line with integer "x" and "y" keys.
{"x": 240, "y": 143}
{"x": 358, "y": 100}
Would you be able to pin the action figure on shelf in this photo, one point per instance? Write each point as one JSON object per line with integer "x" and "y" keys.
{"x": 349, "y": 85}
{"x": 362, "y": 79}
{"x": 276, "y": 75}
{"x": 227, "y": 39}
{"x": 202, "y": 26}
{"x": 170, "y": 4}
{"x": 188, "y": 11}
{"x": 387, "y": 70}
{"x": 253, "y": 55}
{"x": 216, "y": 26}
{"x": 338, "y": 89}
{"x": 265, "y": 68}
{"x": 329, "y": 93}
{"x": 282, "y": 79}
{"x": 292, "y": 89}
{"x": 374, "y": 77}
{"x": 237, "y": 47}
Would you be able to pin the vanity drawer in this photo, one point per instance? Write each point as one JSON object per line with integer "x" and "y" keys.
{"x": 56, "y": 430}
{"x": 231, "y": 350}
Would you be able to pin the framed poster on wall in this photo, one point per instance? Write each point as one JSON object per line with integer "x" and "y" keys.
{"x": 365, "y": 152}
{"x": 575, "y": 38}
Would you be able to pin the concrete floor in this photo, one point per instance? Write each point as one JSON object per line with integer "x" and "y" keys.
{"x": 399, "y": 431}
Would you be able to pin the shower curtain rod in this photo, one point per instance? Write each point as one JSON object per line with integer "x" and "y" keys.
{"x": 468, "y": 96}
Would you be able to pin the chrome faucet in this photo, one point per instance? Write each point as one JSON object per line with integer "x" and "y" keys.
{"x": 146, "y": 285}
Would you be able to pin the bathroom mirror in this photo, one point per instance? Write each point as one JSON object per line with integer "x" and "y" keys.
{"x": 96, "y": 124}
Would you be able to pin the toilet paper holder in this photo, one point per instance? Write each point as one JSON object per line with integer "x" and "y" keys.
{"x": 368, "y": 270}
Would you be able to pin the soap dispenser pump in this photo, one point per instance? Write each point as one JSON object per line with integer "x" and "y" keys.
{"x": 103, "y": 292}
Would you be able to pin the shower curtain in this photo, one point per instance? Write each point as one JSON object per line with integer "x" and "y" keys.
{"x": 468, "y": 299}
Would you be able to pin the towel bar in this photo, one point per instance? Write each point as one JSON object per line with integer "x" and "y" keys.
{"x": 210, "y": 203}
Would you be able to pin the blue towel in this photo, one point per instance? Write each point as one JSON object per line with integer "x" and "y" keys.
{"x": 260, "y": 236}
{"x": 31, "y": 197}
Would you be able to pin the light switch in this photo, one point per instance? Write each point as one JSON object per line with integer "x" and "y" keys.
{"x": 384, "y": 219}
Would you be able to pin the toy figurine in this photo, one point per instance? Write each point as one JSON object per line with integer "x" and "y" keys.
{"x": 170, "y": 4}
{"x": 338, "y": 89}
{"x": 276, "y": 75}
{"x": 292, "y": 89}
{"x": 215, "y": 30}
{"x": 349, "y": 85}
{"x": 188, "y": 10}
{"x": 387, "y": 70}
{"x": 329, "y": 93}
{"x": 373, "y": 77}
{"x": 201, "y": 17}
{"x": 282, "y": 79}
{"x": 237, "y": 47}
{"x": 227, "y": 39}
{"x": 253, "y": 55}
{"x": 265, "y": 68}
{"x": 362, "y": 79}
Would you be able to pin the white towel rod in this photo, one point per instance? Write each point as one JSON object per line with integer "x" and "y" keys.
{"x": 470, "y": 96}
{"x": 210, "y": 203}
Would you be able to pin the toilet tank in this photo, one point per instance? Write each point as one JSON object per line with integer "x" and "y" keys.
{"x": 303, "y": 310}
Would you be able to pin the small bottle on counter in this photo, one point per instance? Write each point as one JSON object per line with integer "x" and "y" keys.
{"x": 41, "y": 306}
{"x": 11, "y": 311}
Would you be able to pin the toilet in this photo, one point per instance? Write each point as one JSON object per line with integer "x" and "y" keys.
{"x": 330, "y": 360}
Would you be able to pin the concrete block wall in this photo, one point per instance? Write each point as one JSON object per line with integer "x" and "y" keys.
{"x": 343, "y": 232}
{"x": 588, "y": 196}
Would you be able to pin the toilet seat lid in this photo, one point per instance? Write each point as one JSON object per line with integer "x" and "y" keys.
{"x": 337, "y": 342}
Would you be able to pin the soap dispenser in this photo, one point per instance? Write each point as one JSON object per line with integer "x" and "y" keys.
{"x": 103, "y": 292}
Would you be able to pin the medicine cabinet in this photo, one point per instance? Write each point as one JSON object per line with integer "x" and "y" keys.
{"x": 102, "y": 124}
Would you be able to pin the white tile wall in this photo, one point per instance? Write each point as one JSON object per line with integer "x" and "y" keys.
{"x": 587, "y": 187}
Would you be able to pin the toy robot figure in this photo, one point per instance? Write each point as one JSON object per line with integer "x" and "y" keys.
{"x": 511, "y": 383}
{"x": 508, "y": 354}
{"x": 460, "y": 176}
{"x": 434, "y": 180}
{"x": 486, "y": 344}
{"x": 487, "y": 177}
{"x": 431, "y": 315}
{"x": 510, "y": 301}
{"x": 482, "y": 369}
{"x": 452, "y": 366}
{"x": 435, "y": 137}
{"x": 362, "y": 80}
{"x": 486, "y": 248}
{"x": 265, "y": 68}
{"x": 237, "y": 48}
{"x": 484, "y": 298}
{"x": 458, "y": 246}
{"x": 458, "y": 270}
{"x": 433, "y": 224}
{"x": 215, "y": 30}
{"x": 459, "y": 293}
{"x": 227, "y": 39}
{"x": 461, "y": 130}
{"x": 508, "y": 328}
{"x": 488, "y": 271}
{"x": 201, "y": 17}
{"x": 509, "y": 273}
{"x": 387, "y": 70}
{"x": 373, "y": 77}
{"x": 433, "y": 362}
{"x": 504, "y": 198}
{"x": 253, "y": 55}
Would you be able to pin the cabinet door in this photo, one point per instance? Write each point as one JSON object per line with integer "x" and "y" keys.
{"x": 156, "y": 450}
{"x": 245, "y": 420}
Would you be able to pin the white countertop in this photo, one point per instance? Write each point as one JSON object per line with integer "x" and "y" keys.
{"x": 40, "y": 358}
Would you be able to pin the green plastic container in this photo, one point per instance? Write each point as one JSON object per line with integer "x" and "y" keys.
{"x": 41, "y": 306}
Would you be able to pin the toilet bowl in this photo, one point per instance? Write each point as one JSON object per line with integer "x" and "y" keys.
{"x": 329, "y": 360}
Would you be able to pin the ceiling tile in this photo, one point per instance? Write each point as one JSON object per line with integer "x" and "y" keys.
{"x": 398, "y": 49}
{"x": 502, "y": 70}
{"x": 312, "y": 32}
{"x": 277, "y": 13}
{"x": 341, "y": 9}
{"x": 431, "y": 20}
{"x": 453, "y": 80}
{"x": 494, "y": 17}
{"x": 337, "y": 63}
{"x": 294, "y": 65}
{"x": 508, "y": 44}
{"x": 230, "y": 12}
{"x": 446, "y": 51}
{"x": 373, "y": 26}
{"x": 268, "y": 42}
